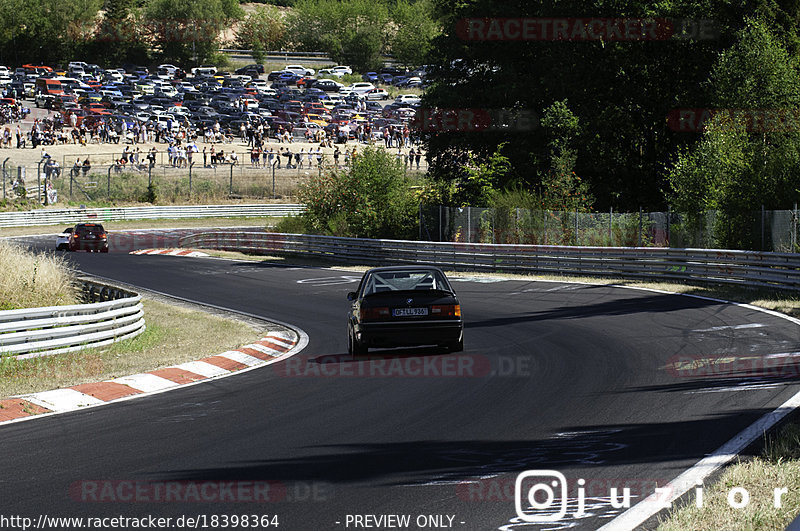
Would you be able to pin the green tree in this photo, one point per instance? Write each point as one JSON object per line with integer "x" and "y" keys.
{"x": 46, "y": 31}
{"x": 188, "y": 32}
{"x": 740, "y": 163}
{"x": 562, "y": 189}
{"x": 415, "y": 26}
{"x": 352, "y": 33}
{"x": 372, "y": 199}
{"x": 262, "y": 30}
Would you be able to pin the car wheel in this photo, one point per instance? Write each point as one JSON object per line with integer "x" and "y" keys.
{"x": 355, "y": 347}
{"x": 104, "y": 250}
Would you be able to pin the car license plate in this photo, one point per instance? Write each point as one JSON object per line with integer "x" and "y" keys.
{"x": 409, "y": 312}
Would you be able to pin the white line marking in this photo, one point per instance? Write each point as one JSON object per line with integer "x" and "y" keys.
{"x": 731, "y": 327}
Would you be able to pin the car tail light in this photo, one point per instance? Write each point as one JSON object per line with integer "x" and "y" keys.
{"x": 374, "y": 314}
{"x": 446, "y": 310}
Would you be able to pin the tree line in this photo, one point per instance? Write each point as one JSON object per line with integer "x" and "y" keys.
{"x": 357, "y": 32}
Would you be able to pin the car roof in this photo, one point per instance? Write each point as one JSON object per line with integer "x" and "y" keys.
{"x": 404, "y": 268}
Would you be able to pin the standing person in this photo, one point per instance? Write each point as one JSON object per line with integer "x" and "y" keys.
{"x": 411, "y": 155}
{"x": 336, "y": 157}
{"x": 310, "y": 157}
{"x": 299, "y": 158}
{"x": 205, "y": 157}
{"x": 418, "y": 156}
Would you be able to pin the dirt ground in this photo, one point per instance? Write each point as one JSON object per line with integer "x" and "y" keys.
{"x": 66, "y": 154}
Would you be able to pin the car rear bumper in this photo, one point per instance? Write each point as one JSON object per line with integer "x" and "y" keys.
{"x": 89, "y": 246}
{"x": 409, "y": 333}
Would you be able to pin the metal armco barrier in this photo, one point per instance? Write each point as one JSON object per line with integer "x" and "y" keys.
{"x": 112, "y": 314}
{"x": 751, "y": 268}
{"x": 55, "y": 217}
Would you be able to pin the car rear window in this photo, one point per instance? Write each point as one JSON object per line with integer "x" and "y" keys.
{"x": 405, "y": 280}
{"x": 90, "y": 229}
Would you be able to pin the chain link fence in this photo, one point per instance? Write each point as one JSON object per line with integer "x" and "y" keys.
{"x": 769, "y": 230}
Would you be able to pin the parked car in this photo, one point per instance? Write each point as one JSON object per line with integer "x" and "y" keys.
{"x": 90, "y": 237}
{"x": 371, "y": 77}
{"x": 377, "y": 94}
{"x": 407, "y": 99}
{"x": 328, "y": 85}
{"x": 404, "y": 306}
{"x": 300, "y": 70}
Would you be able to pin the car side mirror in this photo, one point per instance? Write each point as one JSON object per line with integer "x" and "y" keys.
{"x": 351, "y": 296}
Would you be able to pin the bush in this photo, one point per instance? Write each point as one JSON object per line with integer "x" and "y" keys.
{"x": 372, "y": 199}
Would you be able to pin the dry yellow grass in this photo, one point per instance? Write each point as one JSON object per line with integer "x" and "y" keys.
{"x": 777, "y": 468}
{"x": 32, "y": 280}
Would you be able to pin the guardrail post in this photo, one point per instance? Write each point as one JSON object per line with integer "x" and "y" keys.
{"x": 610, "y": 225}
{"x": 108, "y": 185}
{"x": 763, "y": 228}
{"x": 230, "y": 186}
{"x": 794, "y": 228}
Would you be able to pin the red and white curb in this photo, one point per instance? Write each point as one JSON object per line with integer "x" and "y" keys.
{"x": 273, "y": 347}
{"x": 172, "y": 252}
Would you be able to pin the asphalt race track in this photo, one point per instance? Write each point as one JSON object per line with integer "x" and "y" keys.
{"x": 605, "y": 384}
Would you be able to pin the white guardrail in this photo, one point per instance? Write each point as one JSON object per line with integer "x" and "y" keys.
{"x": 35, "y": 332}
{"x": 751, "y": 268}
{"x": 77, "y": 215}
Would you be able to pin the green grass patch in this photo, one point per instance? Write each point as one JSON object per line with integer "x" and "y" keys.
{"x": 174, "y": 335}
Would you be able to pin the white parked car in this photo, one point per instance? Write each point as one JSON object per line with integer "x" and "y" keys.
{"x": 328, "y": 72}
{"x": 360, "y": 87}
{"x": 409, "y": 99}
{"x": 204, "y": 70}
{"x": 377, "y": 94}
{"x": 300, "y": 70}
{"x": 343, "y": 69}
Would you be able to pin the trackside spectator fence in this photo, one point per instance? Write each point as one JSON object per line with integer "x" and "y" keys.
{"x": 764, "y": 230}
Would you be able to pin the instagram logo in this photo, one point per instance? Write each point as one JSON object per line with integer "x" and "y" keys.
{"x": 538, "y": 509}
